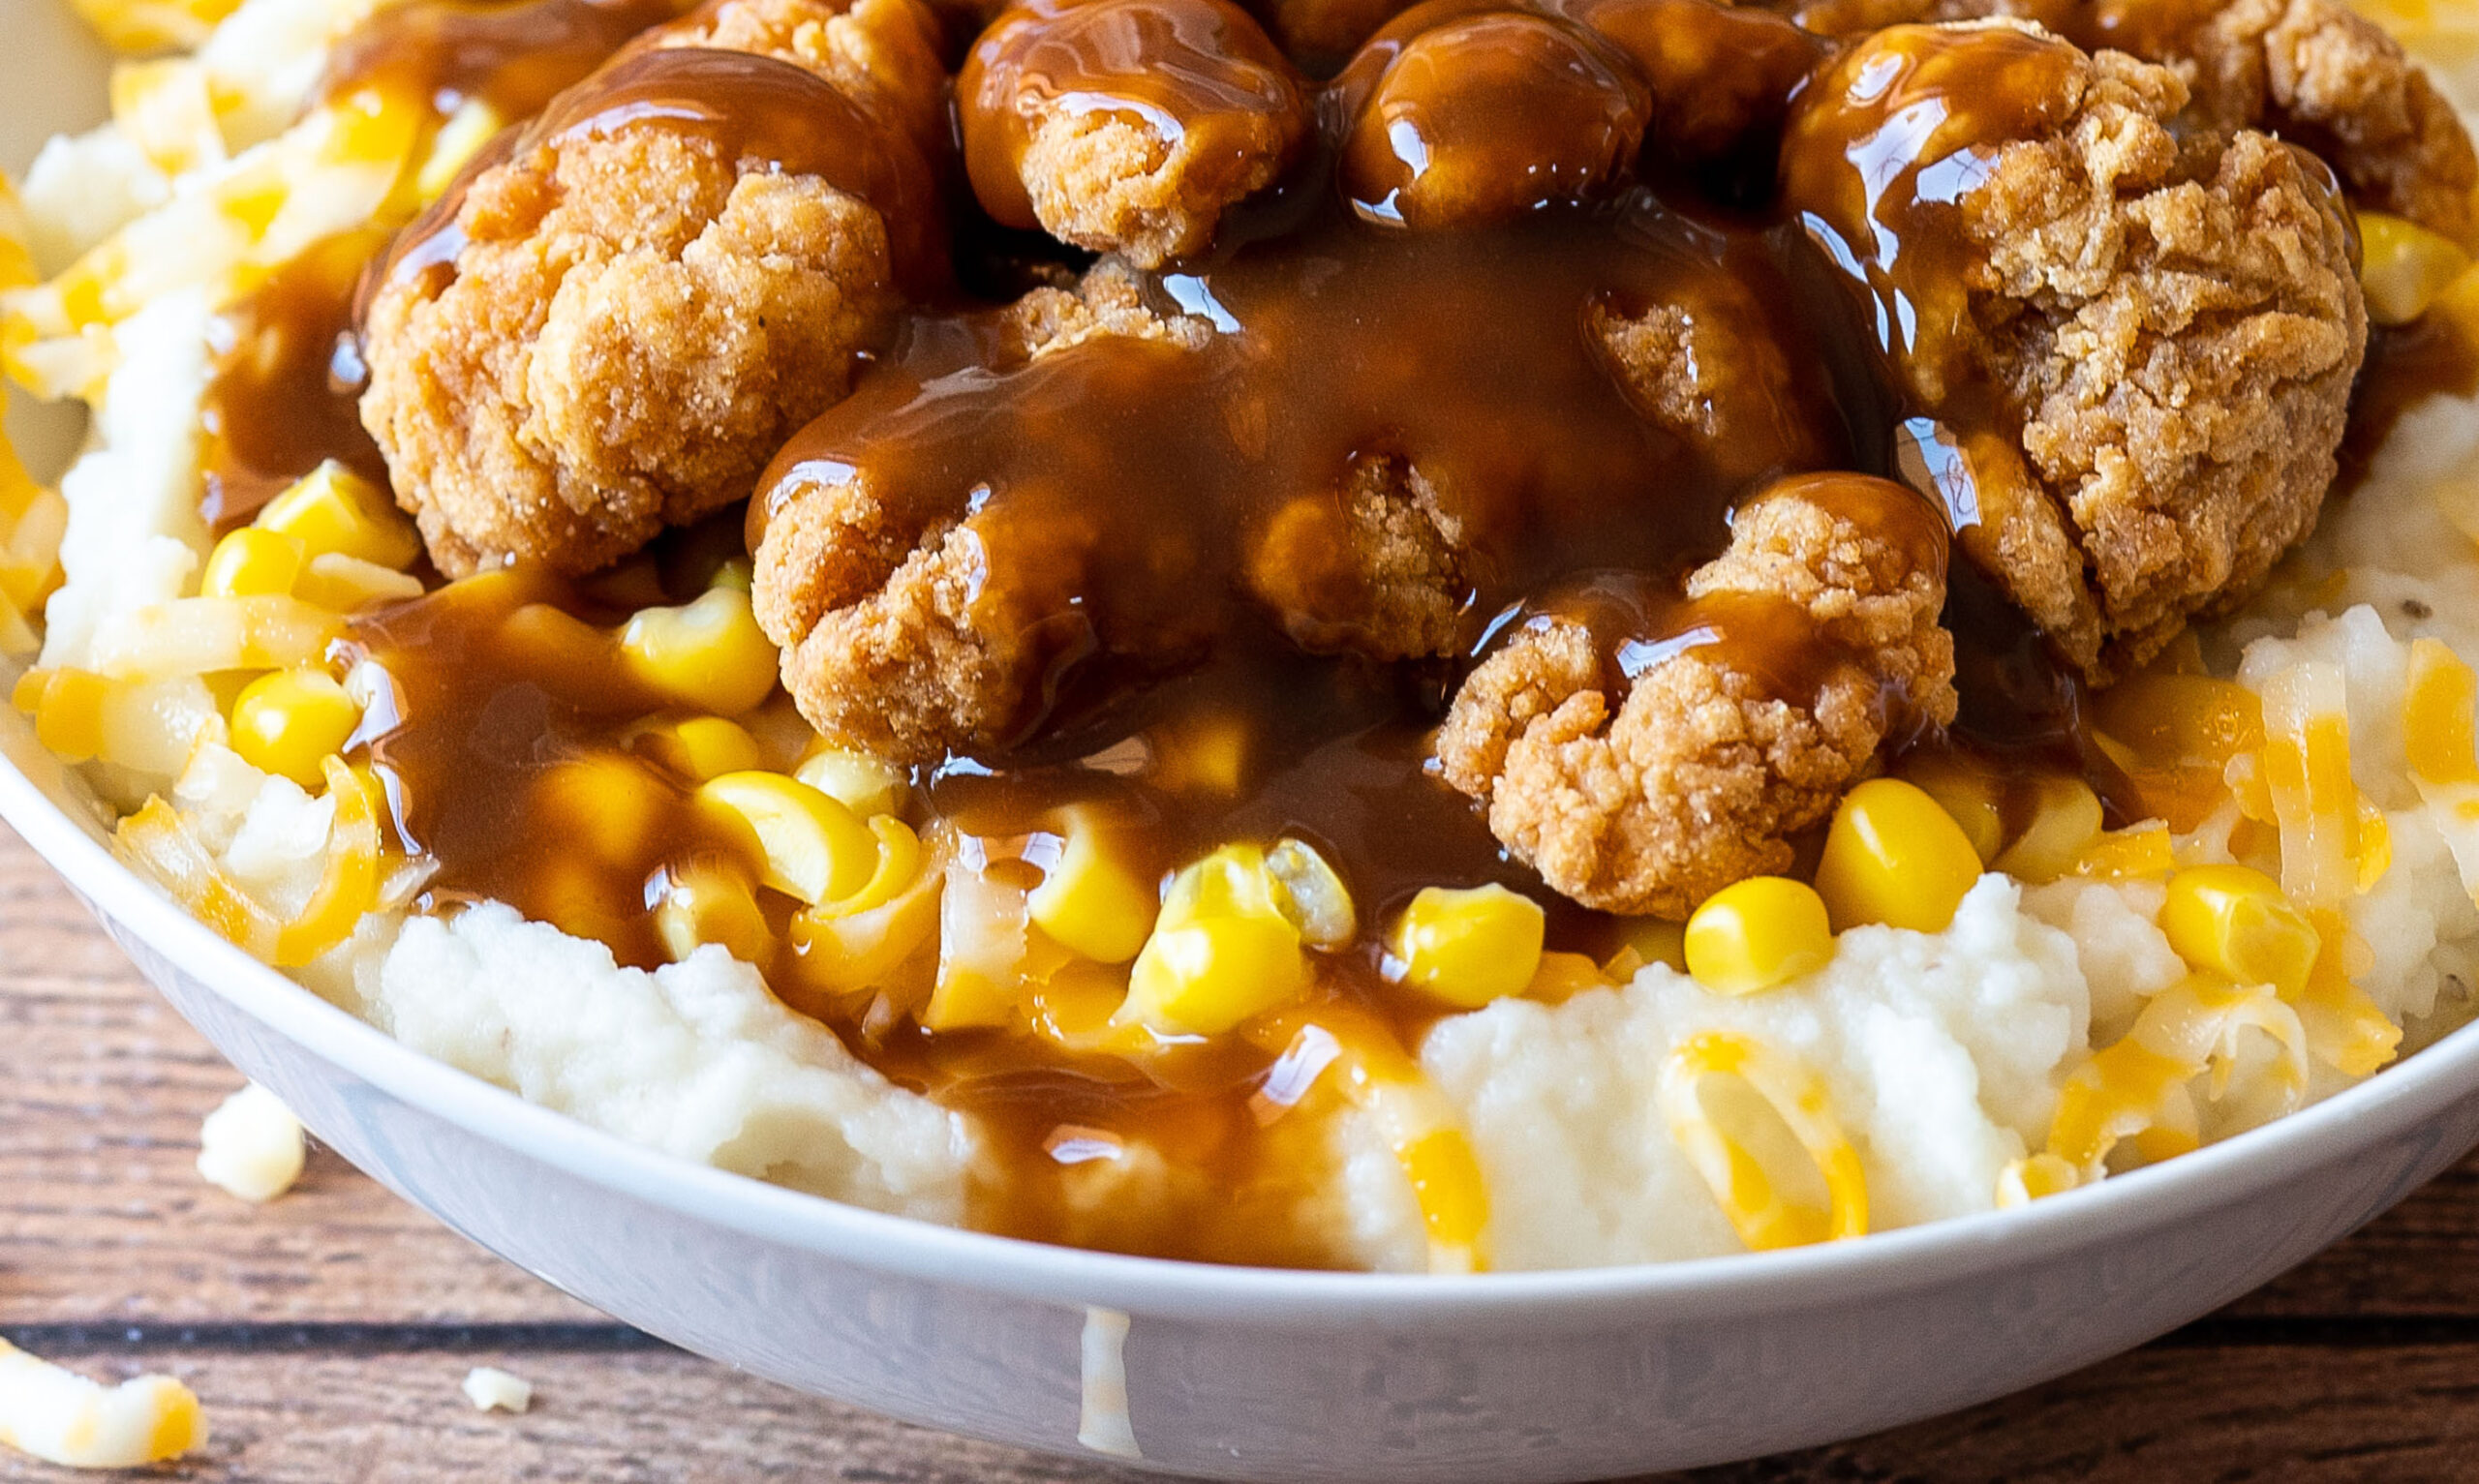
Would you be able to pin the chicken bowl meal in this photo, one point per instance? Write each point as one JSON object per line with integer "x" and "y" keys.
{"x": 1500, "y": 634}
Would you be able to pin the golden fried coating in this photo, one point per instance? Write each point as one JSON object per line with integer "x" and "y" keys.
{"x": 623, "y": 320}
{"x": 1127, "y": 126}
{"x": 2317, "y": 71}
{"x": 1705, "y": 364}
{"x": 894, "y": 640}
{"x": 1645, "y": 795}
{"x": 2167, "y": 320}
{"x": 1379, "y": 568}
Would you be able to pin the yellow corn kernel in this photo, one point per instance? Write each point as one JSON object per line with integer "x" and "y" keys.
{"x": 1562, "y": 977}
{"x": 457, "y": 142}
{"x": 250, "y": 562}
{"x": 1757, "y": 934}
{"x": 1748, "y": 1193}
{"x": 2132, "y": 854}
{"x": 1647, "y": 941}
{"x": 1090, "y": 901}
{"x": 1310, "y": 893}
{"x": 552, "y": 641}
{"x": 898, "y": 868}
{"x": 710, "y": 653}
{"x": 605, "y": 806}
{"x": 333, "y": 509}
{"x": 1968, "y": 796}
{"x": 2066, "y": 819}
{"x": 2404, "y": 266}
{"x": 862, "y": 783}
{"x": 68, "y": 707}
{"x": 2233, "y": 920}
{"x": 705, "y": 902}
{"x": 2437, "y": 711}
{"x": 2035, "y": 1177}
{"x": 1206, "y": 974}
{"x": 1894, "y": 855}
{"x": 346, "y": 584}
{"x": 814, "y": 848}
{"x": 290, "y": 722}
{"x": 701, "y": 748}
{"x": 1471, "y": 946}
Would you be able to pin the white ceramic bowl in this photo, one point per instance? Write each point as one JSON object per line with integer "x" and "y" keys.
{"x": 1246, "y": 1374}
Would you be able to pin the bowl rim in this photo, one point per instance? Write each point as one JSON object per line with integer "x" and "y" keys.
{"x": 2398, "y": 1099}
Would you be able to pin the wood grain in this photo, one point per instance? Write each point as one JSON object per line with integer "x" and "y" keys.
{"x": 327, "y": 1332}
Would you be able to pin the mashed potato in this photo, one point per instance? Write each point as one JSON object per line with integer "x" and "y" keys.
{"x": 1944, "y": 1061}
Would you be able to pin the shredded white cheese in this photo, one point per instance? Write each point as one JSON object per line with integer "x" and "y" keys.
{"x": 250, "y": 1146}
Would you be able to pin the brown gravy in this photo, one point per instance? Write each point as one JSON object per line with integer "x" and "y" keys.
{"x": 1121, "y": 491}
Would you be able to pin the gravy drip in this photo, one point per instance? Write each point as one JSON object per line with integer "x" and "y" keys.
{"x": 514, "y": 55}
{"x": 1122, "y": 492}
{"x": 1198, "y": 72}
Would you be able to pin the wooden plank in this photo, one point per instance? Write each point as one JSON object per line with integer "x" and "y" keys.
{"x": 328, "y": 1418}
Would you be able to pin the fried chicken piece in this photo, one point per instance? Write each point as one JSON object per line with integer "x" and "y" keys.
{"x": 612, "y": 328}
{"x": 2164, "y": 324}
{"x": 1705, "y": 364}
{"x": 2317, "y": 71}
{"x": 1719, "y": 74}
{"x": 1127, "y": 126}
{"x": 896, "y": 639}
{"x": 1379, "y": 568}
{"x": 1467, "y": 116}
{"x": 1643, "y": 754}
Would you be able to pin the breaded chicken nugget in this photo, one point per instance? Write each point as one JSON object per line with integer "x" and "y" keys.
{"x": 2142, "y": 336}
{"x": 611, "y": 327}
{"x": 1642, "y": 753}
{"x": 1127, "y": 126}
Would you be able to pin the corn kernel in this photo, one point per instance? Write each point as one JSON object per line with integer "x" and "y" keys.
{"x": 1562, "y": 977}
{"x": 1647, "y": 941}
{"x": 551, "y": 640}
{"x": 1208, "y": 974}
{"x": 814, "y": 848}
{"x": 2135, "y": 853}
{"x": 2404, "y": 266}
{"x": 1311, "y": 894}
{"x": 606, "y": 805}
{"x": 250, "y": 562}
{"x": 1968, "y": 796}
{"x": 291, "y": 721}
{"x": 862, "y": 783}
{"x": 710, "y": 654}
{"x": 1469, "y": 947}
{"x": 2066, "y": 818}
{"x": 68, "y": 710}
{"x": 141, "y": 26}
{"x": 701, "y": 748}
{"x": 333, "y": 509}
{"x": 346, "y": 584}
{"x": 1894, "y": 855}
{"x": 1091, "y": 902}
{"x": 705, "y": 902}
{"x": 1757, "y": 934}
{"x": 2233, "y": 920}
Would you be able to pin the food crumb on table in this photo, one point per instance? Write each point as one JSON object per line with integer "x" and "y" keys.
{"x": 490, "y": 1388}
{"x": 250, "y": 1146}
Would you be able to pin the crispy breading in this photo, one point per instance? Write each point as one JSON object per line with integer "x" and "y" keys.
{"x": 893, "y": 640}
{"x": 1705, "y": 365}
{"x": 2165, "y": 322}
{"x": 2317, "y": 71}
{"x": 1649, "y": 794}
{"x": 634, "y": 321}
{"x": 1378, "y": 567}
{"x": 1152, "y": 183}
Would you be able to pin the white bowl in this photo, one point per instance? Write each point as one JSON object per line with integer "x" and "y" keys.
{"x": 1238, "y": 1373}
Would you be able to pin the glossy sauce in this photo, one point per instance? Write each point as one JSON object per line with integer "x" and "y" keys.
{"x": 1197, "y": 72}
{"x": 1122, "y": 494}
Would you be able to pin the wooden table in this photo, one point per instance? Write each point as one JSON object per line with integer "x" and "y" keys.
{"x": 327, "y": 1332}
